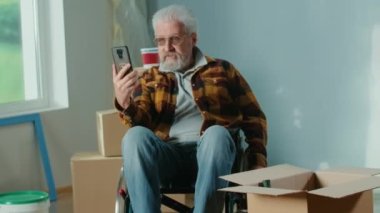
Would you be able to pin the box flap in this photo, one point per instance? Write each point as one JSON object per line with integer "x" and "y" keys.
{"x": 359, "y": 171}
{"x": 348, "y": 188}
{"x": 256, "y": 176}
{"x": 261, "y": 190}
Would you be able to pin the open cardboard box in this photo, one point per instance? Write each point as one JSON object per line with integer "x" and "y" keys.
{"x": 297, "y": 190}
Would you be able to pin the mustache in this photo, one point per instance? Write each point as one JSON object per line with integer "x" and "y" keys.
{"x": 169, "y": 54}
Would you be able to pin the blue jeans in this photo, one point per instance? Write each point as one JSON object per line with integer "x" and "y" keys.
{"x": 148, "y": 160}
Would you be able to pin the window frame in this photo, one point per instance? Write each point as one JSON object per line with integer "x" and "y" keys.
{"x": 44, "y": 59}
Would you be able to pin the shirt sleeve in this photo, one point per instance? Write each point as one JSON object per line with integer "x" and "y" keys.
{"x": 254, "y": 123}
{"x": 137, "y": 113}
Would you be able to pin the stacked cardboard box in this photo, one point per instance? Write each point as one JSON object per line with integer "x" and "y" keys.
{"x": 110, "y": 132}
{"x": 95, "y": 175}
{"x": 94, "y": 179}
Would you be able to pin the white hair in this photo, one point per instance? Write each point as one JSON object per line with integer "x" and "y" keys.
{"x": 177, "y": 13}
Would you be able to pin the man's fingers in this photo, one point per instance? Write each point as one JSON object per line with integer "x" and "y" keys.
{"x": 123, "y": 71}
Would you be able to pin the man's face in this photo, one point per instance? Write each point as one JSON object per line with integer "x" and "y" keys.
{"x": 174, "y": 45}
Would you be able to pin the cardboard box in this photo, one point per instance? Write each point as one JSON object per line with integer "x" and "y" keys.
{"x": 94, "y": 179}
{"x": 110, "y": 132}
{"x": 297, "y": 190}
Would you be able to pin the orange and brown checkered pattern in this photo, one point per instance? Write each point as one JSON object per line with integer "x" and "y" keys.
{"x": 223, "y": 97}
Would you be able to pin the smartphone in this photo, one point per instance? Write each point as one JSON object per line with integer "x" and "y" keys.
{"x": 121, "y": 57}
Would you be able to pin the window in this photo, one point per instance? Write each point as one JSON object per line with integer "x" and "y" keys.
{"x": 32, "y": 63}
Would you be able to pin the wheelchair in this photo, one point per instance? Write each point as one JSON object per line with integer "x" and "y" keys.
{"x": 234, "y": 202}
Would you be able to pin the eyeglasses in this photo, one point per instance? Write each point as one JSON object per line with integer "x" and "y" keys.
{"x": 174, "y": 40}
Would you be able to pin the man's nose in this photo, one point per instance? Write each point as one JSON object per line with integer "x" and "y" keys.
{"x": 168, "y": 45}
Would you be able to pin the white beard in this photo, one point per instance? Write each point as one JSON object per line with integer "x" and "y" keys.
{"x": 179, "y": 64}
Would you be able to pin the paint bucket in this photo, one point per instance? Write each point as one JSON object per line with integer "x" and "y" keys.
{"x": 149, "y": 57}
{"x": 24, "y": 202}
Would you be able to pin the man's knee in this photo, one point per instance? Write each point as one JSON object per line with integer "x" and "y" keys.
{"x": 217, "y": 138}
{"x": 217, "y": 134}
{"x": 136, "y": 138}
{"x": 216, "y": 150}
{"x": 216, "y": 131}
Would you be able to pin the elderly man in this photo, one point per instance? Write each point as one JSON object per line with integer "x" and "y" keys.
{"x": 183, "y": 117}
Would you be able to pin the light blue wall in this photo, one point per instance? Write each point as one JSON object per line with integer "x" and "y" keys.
{"x": 314, "y": 66}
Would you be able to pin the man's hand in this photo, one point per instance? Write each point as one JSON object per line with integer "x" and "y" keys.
{"x": 124, "y": 84}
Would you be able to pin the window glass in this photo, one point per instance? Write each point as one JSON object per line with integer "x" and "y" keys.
{"x": 11, "y": 65}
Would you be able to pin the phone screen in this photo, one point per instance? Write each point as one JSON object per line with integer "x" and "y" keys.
{"x": 121, "y": 57}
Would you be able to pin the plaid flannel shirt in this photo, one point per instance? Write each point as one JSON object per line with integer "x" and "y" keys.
{"x": 223, "y": 97}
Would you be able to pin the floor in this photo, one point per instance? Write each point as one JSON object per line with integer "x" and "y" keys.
{"x": 64, "y": 202}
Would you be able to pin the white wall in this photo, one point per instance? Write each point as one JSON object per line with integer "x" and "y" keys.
{"x": 89, "y": 38}
{"x": 314, "y": 66}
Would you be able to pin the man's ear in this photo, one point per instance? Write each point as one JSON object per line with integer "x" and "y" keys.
{"x": 194, "y": 38}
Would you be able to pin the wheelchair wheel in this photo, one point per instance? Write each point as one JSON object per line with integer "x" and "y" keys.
{"x": 127, "y": 205}
{"x": 236, "y": 203}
